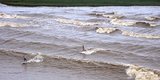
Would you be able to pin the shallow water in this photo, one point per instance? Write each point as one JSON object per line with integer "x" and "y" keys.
{"x": 59, "y": 33}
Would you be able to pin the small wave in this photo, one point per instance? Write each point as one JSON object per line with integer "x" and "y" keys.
{"x": 76, "y": 22}
{"x": 131, "y": 71}
{"x": 47, "y": 58}
{"x": 146, "y": 24}
{"x": 126, "y": 33}
{"x": 4, "y": 15}
{"x": 131, "y": 23}
{"x": 122, "y": 23}
{"x": 111, "y": 15}
{"x": 141, "y": 73}
{"x": 133, "y": 34}
{"x": 152, "y": 18}
{"x": 12, "y": 24}
{"x": 106, "y": 30}
{"x": 95, "y": 13}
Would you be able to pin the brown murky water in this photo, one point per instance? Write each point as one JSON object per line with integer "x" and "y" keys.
{"x": 118, "y": 37}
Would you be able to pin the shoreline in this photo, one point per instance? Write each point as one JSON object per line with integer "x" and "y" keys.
{"x": 72, "y": 3}
{"x": 39, "y": 5}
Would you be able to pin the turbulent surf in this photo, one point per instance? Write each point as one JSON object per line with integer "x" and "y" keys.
{"x": 80, "y": 43}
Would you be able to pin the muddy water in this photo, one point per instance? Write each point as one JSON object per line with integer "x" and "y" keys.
{"x": 121, "y": 36}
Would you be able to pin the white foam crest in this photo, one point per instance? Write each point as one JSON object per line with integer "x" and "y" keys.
{"x": 133, "y": 34}
{"x": 152, "y": 18}
{"x": 122, "y": 23}
{"x": 76, "y": 22}
{"x": 140, "y": 73}
{"x": 105, "y": 30}
{"x": 131, "y": 22}
{"x": 12, "y": 24}
{"x": 38, "y": 58}
{"x": 111, "y": 15}
{"x": 4, "y": 15}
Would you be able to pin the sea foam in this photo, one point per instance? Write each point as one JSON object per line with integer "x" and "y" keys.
{"x": 140, "y": 73}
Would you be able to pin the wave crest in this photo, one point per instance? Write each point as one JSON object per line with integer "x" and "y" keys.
{"x": 131, "y": 23}
{"x": 105, "y": 30}
{"x": 122, "y": 23}
{"x": 140, "y": 73}
{"x": 76, "y": 22}
{"x": 133, "y": 34}
{"x": 12, "y": 24}
{"x": 152, "y": 18}
{"x": 111, "y": 15}
{"x": 4, "y": 15}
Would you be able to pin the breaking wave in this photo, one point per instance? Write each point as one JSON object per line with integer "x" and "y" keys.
{"x": 76, "y": 22}
{"x": 133, "y": 71}
{"x": 4, "y": 15}
{"x": 12, "y": 24}
{"x": 59, "y": 33}
{"x": 141, "y": 35}
{"x": 141, "y": 73}
{"x": 132, "y": 22}
{"x": 106, "y": 30}
{"x": 152, "y": 18}
{"x": 126, "y": 33}
{"x": 111, "y": 15}
{"x": 49, "y": 57}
